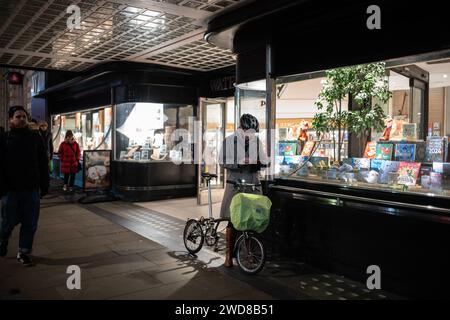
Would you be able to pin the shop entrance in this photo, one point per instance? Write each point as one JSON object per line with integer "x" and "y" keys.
{"x": 213, "y": 117}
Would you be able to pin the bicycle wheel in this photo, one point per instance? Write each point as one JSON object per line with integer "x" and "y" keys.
{"x": 250, "y": 254}
{"x": 193, "y": 236}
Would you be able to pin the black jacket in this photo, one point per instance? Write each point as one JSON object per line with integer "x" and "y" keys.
{"x": 48, "y": 142}
{"x": 23, "y": 161}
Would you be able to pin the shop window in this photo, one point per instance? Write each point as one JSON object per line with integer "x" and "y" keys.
{"x": 408, "y": 151}
{"x": 91, "y": 129}
{"x": 144, "y": 131}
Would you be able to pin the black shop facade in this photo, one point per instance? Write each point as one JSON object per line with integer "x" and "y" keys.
{"x": 341, "y": 202}
{"x": 133, "y": 110}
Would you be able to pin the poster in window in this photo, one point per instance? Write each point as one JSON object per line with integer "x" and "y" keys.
{"x": 97, "y": 170}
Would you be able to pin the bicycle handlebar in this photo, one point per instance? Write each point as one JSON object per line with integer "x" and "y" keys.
{"x": 243, "y": 183}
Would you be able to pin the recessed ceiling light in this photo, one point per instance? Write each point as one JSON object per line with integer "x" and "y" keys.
{"x": 445, "y": 76}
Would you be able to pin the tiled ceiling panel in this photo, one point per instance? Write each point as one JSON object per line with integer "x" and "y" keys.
{"x": 197, "y": 55}
{"x": 34, "y": 33}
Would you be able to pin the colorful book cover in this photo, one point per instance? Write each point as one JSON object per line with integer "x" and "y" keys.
{"x": 386, "y": 167}
{"x": 281, "y": 149}
{"x": 308, "y": 148}
{"x": 444, "y": 169}
{"x": 435, "y": 149}
{"x": 409, "y": 131}
{"x": 319, "y": 162}
{"x": 348, "y": 161}
{"x": 424, "y": 171}
{"x": 361, "y": 163}
{"x": 421, "y": 148}
{"x": 290, "y": 148}
{"x": 371, "y": 149}
{"x": 405, "y": 152}
{"x": 279, "y": 159}
{"x": 408, "y": 173}
{"x": 384, "y": 151}
{"x": 292, "y": 159}
{"x": 436, "y": 181}
{"x": 375, "y": 164}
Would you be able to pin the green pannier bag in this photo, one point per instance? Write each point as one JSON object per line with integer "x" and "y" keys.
{"x": 250, "y": 212}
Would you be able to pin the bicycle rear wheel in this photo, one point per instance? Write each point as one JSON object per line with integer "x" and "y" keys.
{"x": 193, "y": 236}
{"x": 250, "y": 254}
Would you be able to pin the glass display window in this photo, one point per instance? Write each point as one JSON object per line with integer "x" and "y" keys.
{"x": 91, "y": 128}
{"x": 402, "y": 154}
{"x": 144, "y": 131}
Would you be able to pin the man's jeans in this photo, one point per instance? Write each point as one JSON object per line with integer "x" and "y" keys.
{"x": 20, "y": 207}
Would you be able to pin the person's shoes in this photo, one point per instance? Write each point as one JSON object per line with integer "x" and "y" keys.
{"x": 25, "y": 259}
{"x": 64, "y": 188}
{"x": 3, "y": 248}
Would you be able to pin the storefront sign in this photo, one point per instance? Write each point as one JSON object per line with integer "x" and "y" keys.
{"x": 222, "y": 84}
{"x": 96, "y": 170}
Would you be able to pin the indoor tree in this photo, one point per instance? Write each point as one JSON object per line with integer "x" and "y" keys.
{"x": 331, "y": 117}
{"x": 367, "y": 86}
{"x": 370, "y": 91}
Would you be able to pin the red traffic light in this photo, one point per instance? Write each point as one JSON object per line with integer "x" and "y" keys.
{"x": 15, "y": 78}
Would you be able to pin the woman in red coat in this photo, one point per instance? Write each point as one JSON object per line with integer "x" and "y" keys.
{"x": 69, "y": 155}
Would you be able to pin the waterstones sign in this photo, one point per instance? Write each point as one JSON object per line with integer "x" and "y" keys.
{"x": 222, "y": 84}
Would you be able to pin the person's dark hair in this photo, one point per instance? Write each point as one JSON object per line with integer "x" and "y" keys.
{"x": 69, "y": 133}
{"x": 12, "y": 110}
{"x": 34, "y": 121}
{"x": 248, "y": 122}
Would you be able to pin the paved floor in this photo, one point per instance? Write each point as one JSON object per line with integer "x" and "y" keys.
{"x": 130, "y": 251}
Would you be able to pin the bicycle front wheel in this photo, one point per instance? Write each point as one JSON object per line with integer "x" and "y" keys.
{"x": 193, "y": 236}
{"x": 250, "y": 254}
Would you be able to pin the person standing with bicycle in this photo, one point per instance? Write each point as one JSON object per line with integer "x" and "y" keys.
{"x": 243, "y": 156}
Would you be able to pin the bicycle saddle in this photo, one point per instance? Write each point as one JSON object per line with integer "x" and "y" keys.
{"x": 207, "y": 175}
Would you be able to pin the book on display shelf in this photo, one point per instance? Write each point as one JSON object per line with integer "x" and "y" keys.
{"x": 384, "y": 151}
{"x": 436, "y": 149}
{"x": 308, "y": 148}
{"x": 421, "y": 149}
{"x": 370, "y": 150}
{"x": 384, "y": 167}
{"x": 409, "y": 131}
{"x": 405, "y": 152}
{"x": 361, "y": 163}
{"x": 408, "y": 173}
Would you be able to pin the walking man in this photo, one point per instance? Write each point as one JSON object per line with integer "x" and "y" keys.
{"x": 24, "y": 179}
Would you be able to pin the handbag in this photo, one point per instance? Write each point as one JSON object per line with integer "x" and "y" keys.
{"x": 79, "y": 167}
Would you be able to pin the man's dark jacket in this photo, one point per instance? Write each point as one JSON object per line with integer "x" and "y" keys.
{"x": 23, "y": 161}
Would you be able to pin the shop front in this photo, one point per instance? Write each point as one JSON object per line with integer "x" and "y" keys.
{"x": 358, "y": 138}
{"x": 141, "y": 113}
